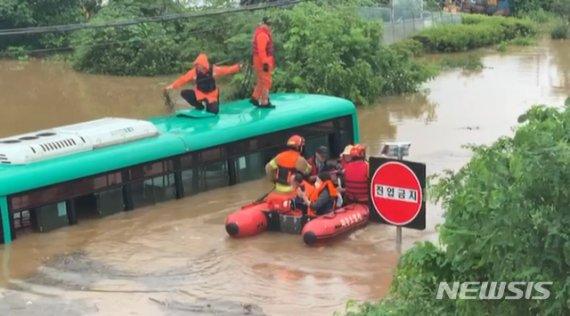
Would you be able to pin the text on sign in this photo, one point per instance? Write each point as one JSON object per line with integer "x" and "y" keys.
{"x": 395, "y": 193}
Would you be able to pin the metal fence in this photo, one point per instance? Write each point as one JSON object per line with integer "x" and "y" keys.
{"x": 403, "y": 21}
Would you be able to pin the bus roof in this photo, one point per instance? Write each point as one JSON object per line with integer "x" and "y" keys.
{"x": 237, "y": 120}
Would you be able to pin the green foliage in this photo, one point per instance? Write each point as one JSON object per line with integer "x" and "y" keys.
{"x": 469, "y": 62}
{"x": 540, "y": 15}
{"x": 319, "y": 49}
{"x": 502, "y": 46}
{"x": 334, "y": 51}
{"x": 520, "y": 7}
{"x": 560, "y": 31}
{"x": 562, "y": 7}
{"x": 141, "y": 49}
{"x": 30, "y": 13}
{"x": 476, "y": 31}
{"x": 507, "y": 218}
{"x": 409, "y": 45}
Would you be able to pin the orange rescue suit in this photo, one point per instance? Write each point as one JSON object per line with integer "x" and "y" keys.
{"x": 286, "y": 165}
{"x": 205, "y": 86}
{"x": 263, "y": 54}
{"x": 316, "y": 192}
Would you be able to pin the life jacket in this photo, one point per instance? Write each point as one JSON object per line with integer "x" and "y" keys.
{"x": 280, "y": 202}
{"x": 307, "y": 188}
{"x": 205, "y": 82}
{"x": 316, "y": 192}
{"x": 269, "y": 48}
{"x": 356, "y": 181}
{"x": 286, "y": 166}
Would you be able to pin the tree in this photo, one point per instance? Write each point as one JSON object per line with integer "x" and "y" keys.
{"x": 506, "y": 219}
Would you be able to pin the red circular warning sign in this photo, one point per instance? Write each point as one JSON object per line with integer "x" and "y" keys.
{"x": 396, "y": 193}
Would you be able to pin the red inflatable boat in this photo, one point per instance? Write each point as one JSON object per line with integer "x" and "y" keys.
{"x": 257, "y": 217}
{"x": 338, "y": 223}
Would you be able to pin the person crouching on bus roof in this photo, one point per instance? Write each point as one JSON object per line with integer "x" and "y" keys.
{"x": 356, "y": 176}
{"x": 324, "y": 197}
{"x": 283, "y": 167}
{"x": 205, "y": 89}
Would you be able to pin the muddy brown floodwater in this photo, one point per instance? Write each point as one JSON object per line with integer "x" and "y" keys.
{"x": 175, "y": 258}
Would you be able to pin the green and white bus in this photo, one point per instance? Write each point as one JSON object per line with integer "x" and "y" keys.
{"x": 110, "y": 165}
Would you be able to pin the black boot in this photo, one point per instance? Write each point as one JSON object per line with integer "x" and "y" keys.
{"x": 267, "y": 105}
{"x": 254, "y": 101}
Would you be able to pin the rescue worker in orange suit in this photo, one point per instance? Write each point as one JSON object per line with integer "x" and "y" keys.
{"x": 263, "y": 63}
{"x": 205, "y": 89}
{"x": 323, "y": 198}
{"x": 356, "y": 176}
{"x": 283, "y": 167}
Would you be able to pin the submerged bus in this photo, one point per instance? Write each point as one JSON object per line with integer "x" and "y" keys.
{"x": 51, "y": 178}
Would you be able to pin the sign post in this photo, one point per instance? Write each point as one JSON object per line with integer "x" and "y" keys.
{"x": 397, "y": 190}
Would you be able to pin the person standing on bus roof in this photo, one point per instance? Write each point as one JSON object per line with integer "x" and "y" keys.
{"x": 263, "y": 63}
{"x": 205, "y": 89}
{"x": 356, "y": 176}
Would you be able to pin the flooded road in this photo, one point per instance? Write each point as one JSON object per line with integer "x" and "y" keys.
{"x": 175, "y": 258}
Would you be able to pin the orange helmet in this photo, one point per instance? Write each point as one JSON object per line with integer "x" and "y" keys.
{"x": 296, "y": 141}
{"x": 358, "y": 151}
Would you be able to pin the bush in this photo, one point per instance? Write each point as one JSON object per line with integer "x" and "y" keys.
{"x": 409, "y": 45}
{"x": 475, "y": 31}
{"x": 560, "y": 31}
{"x": 506, "y": 219}
{"x": 141, "y": 49}
{"x": 333, "y": 51}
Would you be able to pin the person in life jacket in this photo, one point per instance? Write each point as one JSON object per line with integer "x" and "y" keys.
{"x": 324, "y": 197}
{"x": 283, "y": 167}
{"x": 205, "y": 88}
{"x": 319, "y": 160}
{"x": 303, "y": 188}
{"x": 356, "y": 176}
{"x": 263, "y": 63}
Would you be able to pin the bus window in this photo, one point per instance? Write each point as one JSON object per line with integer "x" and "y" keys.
{"x": 311, "y": 144}
{"x": 213, "y": 176}
{"x": 50, "y": 217}
{"x": 142, "y": 192}
{"x": 344, "y": 132}
{"x": 164, "y": 187}
{"x": 250, "y": 167}
{"x": 153, "y": 182}
{"x": 189, "y": 182}
{"x": 212, "y": 155}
